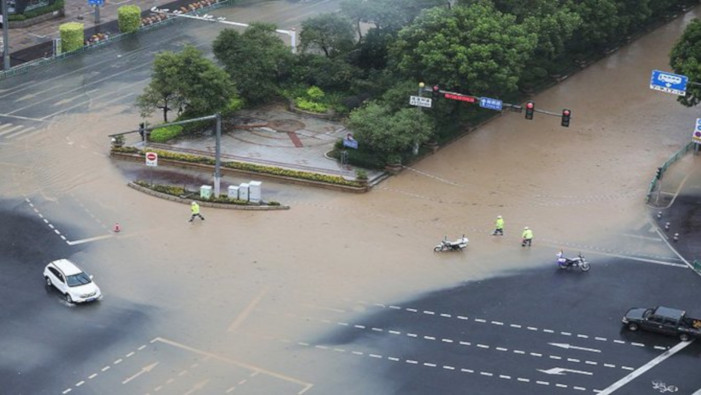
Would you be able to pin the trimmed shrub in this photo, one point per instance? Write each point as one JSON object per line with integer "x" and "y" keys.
{"x": 71, "y": 36}
{"x": 161, "y": 135}
{"x": 129, "y": 18}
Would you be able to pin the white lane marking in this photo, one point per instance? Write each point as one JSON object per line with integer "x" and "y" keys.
{"x": 92, "y": 376}
{"x": 72, "y": 243}
{"x": 563, "y": 371}
{"x": 569, "y": 346}
{"x": 20, "y": 132}
{"x": 10, "y": 130}
{"x": 429, "y": 338}
{"x": 630, "y": 377}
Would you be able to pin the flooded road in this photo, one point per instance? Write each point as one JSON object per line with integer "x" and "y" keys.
{"x": 229, "y": 283}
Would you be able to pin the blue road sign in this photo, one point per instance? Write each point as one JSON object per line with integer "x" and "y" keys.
{"x": 350, "y": 143}
{"x": 668, "y": 82}
{"x": 696, "y": 136}
{"x": 96, "y": 2}
{"x": 492, "y": 104}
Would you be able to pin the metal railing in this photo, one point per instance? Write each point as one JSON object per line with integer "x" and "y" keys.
{"x": 662, "y": 169}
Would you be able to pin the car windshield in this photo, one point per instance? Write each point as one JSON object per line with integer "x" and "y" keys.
{"x": 78, "y": 280}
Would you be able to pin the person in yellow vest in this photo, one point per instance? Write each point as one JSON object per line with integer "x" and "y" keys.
{"x": 499, "y": 226}
{"x": 195, "y": 209}
{"x": 527, "y": 237}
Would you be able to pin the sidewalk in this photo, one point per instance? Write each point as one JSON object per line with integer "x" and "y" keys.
{"x": 36, "y": 41}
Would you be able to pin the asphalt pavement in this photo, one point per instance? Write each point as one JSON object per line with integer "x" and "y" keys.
{"x": 36, "y": 41}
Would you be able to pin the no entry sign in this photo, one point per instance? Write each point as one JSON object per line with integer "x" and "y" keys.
{"x": 151, "y": 159}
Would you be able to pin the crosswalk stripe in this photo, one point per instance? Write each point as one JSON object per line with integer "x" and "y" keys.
{"x": 7, "y": 125}
{"x": 10, "y": 130}
{"x": 21, "y": 132}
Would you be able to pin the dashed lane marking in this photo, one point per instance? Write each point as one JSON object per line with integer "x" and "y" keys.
{"x": 448, "y": 368}
{"x": 510, "y": 325}
{"x": 451, "y": 341}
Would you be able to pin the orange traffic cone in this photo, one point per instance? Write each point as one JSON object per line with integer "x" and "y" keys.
{"x": 117, "y": 228}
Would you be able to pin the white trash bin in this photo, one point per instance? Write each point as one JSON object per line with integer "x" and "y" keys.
{"x": 205, "y": 191}
{"x": 254, "y": 191}
{"x": 243, "y": 191}
{"x": 232, "y": 192}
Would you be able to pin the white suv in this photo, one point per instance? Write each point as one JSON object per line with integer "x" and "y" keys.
{"x": 73, "y": 283}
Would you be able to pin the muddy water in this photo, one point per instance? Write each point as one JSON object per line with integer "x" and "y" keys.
{"x": 574, "y": 186}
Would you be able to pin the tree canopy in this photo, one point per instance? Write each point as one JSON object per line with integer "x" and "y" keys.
{"x": 685, "y": 59}
{"x": 257, "y": 60}
{"x": 188, "y": 82}
{"x": 472, "y": 48}
{"x": 388, "y": 132}
{"x": 332, "y": 33}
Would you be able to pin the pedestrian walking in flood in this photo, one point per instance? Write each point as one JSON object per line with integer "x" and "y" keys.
{"x": 195, "y": 209}
{"x": 499, "y": 226}
{"x": 527, "y": 237}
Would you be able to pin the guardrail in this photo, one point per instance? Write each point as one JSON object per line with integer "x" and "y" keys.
{"x": 662, "y": 169}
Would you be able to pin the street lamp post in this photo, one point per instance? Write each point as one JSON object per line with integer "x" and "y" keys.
{"x": 5, "y": 39}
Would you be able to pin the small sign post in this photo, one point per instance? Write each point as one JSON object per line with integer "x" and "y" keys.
{"x": 151, "y": 159}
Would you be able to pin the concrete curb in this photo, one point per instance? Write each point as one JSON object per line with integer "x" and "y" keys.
{"x": 227, "y": 170}
{"x": 204, "y": 202}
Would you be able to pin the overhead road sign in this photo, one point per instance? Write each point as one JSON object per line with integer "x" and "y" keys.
{"x": 669, "y": 82}
{"x": 492, "y": 104}
{"x": 456, "y": 96}
{"x": 420, "y": 101}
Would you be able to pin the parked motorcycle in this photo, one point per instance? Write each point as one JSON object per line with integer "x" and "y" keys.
{"x": 447, "y": 245}
{"x": 577, "y": 262}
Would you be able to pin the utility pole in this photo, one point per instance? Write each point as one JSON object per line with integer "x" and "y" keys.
{"x": 5, "y": 38}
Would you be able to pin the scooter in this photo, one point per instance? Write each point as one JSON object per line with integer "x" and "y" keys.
{"x": 447, "y": 245}
{"x": 577, "y": 262}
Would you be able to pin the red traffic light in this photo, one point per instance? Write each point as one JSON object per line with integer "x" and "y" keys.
{"x": 566, "y": 117}
{"x": 530, "y": 109}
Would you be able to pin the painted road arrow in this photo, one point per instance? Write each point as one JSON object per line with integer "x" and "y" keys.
{"x": 563, "y": 371}
{"x": 568, "y": 346}
{"x": 143, "y": 370}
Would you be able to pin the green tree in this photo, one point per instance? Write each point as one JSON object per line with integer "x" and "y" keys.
{"x": 257, "y": 60}
{"x": 163, "y": 92}
{"x": 186, "y": 81}
{"x": 473, "y": 48}
{"x": 328, "y": 74}
{"x": 685, "y": 59}
{"x": 205, "y": 87}
{"x": 601, "y": 25}
{"x": 331, "y": 33}
{"x": 390, "y": 133}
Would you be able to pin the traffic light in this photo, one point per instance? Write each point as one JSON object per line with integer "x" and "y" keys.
{"x": 436, "y": 92}
{"x": 530, "y": 108}
{"x": 566, "y": 117}
{"x": 659, "y": 173}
